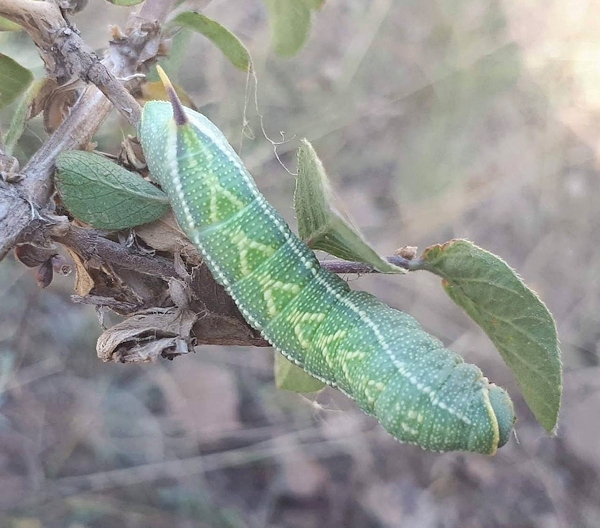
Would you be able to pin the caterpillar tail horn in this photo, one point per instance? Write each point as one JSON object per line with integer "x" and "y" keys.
{"x": 178, "y": 108}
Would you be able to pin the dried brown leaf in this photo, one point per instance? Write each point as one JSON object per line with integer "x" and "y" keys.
{"x": 33, "y": 256}
{"x": 44, "y": 274}
{"x": 57, "y": 108}
{"x": 146, "y": 336}
{"x": 164, "y": 235}
{"x": 83, "y": 280}
{"x": 42, "y": 97}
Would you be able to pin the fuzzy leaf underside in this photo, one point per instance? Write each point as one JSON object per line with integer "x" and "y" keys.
{"x": 104, "y": 194}
{"x": 511, "y": 314}
{"x": 320, "y": 225}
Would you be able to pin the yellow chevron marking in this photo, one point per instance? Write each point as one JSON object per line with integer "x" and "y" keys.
{"x": 244, "y": 244}
{"x": 269, "y": 296}
{"x": 216, "y": 191}
{"x": 326, "y": 350}
{"x": 373, "y": 390}
{"x": 328, "y": 339}
{"x": 300, "y": 326}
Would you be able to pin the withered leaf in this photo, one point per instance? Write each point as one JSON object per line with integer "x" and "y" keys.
{"x": 164, "y": 235}
{"x": 146, "y": 336}
{"x": 83, "y": 280}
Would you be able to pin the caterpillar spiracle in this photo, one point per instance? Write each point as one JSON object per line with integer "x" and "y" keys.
{"x": 380, "y": 357}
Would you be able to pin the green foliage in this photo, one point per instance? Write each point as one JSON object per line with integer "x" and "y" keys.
{"x": 172, "y": 63}
{"x": 290, "y": 24}
{"x": 14, "y": 80}
{"x": 512, "y": 315}
{"x": 320, "y": 225}
{"x": 9, "y": 25}
{"x": 104, "y": 194}
{"x": 221, "y": 37}
{"x": 314, "y": 4}
{"x": 293, "y": 378}
{"x": 20, "y": 117}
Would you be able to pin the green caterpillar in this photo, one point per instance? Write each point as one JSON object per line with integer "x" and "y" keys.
{"x": 421, "y": 392}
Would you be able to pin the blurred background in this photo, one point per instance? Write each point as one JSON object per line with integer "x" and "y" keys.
{"x": 435, "y": 119}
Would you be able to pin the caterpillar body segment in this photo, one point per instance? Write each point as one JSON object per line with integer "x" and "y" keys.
{"x": 421, "y": 392}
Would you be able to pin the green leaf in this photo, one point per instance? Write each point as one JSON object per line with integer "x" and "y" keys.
{"x": 224, "y": 39}
{"x": 125, "y": 3}
{"x": 320, "y": 225}
{"x": 21, "y": 116}
{"x": 290, "y": 25}
{"x": 9, "y": 25}
{"x": 104, "y": 194}
{"x": 512, "y": 315}
{"x": 14, "y": 80}
{"x": 173, "y": 62}
{"x": 314, "y": 4}
{"x": 292, "y": 378}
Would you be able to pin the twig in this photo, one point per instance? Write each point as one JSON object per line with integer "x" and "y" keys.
{"x": 66, "y": 56}
{"x": 90, "y": 244}
{"x": 65, "y": 53}
{"x": 342, "y": 267}
{"x": 109, "y": 302}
